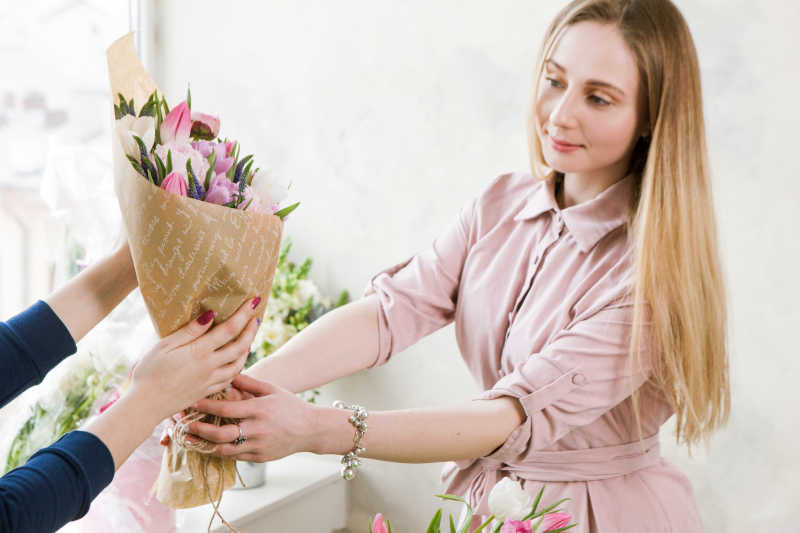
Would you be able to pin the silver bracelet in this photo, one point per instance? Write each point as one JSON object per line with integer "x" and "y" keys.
{"x": 350, "y": 460}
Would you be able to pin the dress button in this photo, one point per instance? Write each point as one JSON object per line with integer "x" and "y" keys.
{"x": 578, "y": 379}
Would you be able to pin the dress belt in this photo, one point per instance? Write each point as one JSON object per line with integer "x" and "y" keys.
{"x": 475, "y": 478}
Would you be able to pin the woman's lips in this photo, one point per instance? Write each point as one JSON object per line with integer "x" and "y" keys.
{"x": 563, "y": 146}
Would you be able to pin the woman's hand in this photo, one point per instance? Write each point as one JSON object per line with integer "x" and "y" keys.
{"x": 275, "y": 422}
{"x": 195, "y": 361}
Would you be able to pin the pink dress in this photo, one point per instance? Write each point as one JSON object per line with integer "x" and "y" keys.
{"x": 538, "y": 296}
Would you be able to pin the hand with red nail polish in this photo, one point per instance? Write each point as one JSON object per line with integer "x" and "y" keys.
{"x": 197, "y": 360}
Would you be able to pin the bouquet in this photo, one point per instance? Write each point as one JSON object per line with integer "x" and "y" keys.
{"x": 513, "y": 511}
{"x": 204, "y": 229}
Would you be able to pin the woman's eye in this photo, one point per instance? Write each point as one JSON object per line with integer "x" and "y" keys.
{"x": 599, "y": 101}
{"x": 553, "y": 83}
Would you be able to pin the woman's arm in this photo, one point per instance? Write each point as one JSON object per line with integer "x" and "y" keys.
{"x": 87, "y": 298}
{"x": 278, "y": 423}
{"x": 338, "y": 344}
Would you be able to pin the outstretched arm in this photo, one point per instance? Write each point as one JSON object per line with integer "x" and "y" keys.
{"x": 338, "y": 344}
{"x": 278, "y": 423}
{"x": 87, "y": 298}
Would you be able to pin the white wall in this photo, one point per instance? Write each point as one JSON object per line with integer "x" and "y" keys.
{"x": 390, "y": 115}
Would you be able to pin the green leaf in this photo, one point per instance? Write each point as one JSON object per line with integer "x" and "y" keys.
{"x": 250, "y": 201}
{"x": 169, "y": 162}
{"x": 190, "y": 176}
{"x": 147, "y": 165}
{"x": 559, "y": 530}
{"x": 452, "y": 525}
{"x": 535, "y": 504}
{"x": 468, "y": 519}
{"x": 142, "y": 148}
{"x": 123, "y": 104}
{"x": 497, "y": 527}
{"x": 388, "y": 525}
{"x": 286, "y": 210}
{"x": 162, "y": 169}
{"x": 550, "y": 508}
{"x": 159, "y": 120}
{"x": 436, "y": 523}
{"x": 149, "y": 108}
{"x": 488, "y": 521}
{"x": 137, "y": 166}
{"x": 189, "y": 97}
{"x": 246, "y": 172}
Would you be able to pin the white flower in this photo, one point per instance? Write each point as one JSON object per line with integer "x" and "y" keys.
{"x": 508, "y": 500}
{"x": 143, "y": 127}
{"x": 270, "y": 188}
{"x": 181, "y": 152}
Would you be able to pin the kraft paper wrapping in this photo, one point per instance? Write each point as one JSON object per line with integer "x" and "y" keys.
{"x": 189, "y": 256}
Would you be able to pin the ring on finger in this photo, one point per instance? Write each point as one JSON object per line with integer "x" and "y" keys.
{"x": 241, "y": 439}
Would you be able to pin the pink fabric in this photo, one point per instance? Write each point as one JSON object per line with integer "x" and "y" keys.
{"x": 541, "y": 310}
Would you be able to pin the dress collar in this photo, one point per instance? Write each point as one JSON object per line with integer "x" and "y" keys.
{"x": 587, "y": 222}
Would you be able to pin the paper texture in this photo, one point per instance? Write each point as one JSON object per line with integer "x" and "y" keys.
{"x": 190, "y": 256}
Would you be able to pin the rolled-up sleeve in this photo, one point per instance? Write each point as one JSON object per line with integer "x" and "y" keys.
{"x": 583, "y": 373}
{"x": 419, "y": 295}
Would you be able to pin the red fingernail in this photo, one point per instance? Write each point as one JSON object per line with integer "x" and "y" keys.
{"x": 205, "y": 318}
{"x": 256, "y": 302}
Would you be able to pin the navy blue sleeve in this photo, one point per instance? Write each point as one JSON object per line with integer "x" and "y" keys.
{"x": 31, "y": 344}
{"x": 56, "y": 485}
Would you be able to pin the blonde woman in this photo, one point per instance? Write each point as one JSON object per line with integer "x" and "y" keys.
{"x": 587, "y": 298}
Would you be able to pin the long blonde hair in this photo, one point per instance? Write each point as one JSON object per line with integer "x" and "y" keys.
{"x": 672, "y": 227}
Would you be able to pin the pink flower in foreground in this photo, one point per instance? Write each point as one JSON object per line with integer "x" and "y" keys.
{"x": 175, "y": 183}
{"x": 176, "y": 125}
{"x": 221, "y": 190}
{"x": 553, "y": 521}
{"x": 378, "y": 525}
{"x": 515, "y": 526}
{"x": 204, "y": 126}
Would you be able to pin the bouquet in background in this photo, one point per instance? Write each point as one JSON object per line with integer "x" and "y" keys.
{"x": 513, "y": 511}
{"x": 296, "y": 302}
{"x": 204, "y": 227}
{"x": 69, "y": 400}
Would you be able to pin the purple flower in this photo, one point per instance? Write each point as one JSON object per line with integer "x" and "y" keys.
{"x": 221, "y": 190}
{"x": 223, "y": 150}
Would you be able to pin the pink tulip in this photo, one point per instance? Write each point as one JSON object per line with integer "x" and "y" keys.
{"x": 176, "y": 125}
{"x": 515, "y": 526}
{"x": 553, "y": 521}
{"x": 221, "y": 190}
{"x": 204, "y": 126}
{"x": 378, "y": 526}
{"x": 175, "y": 183}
